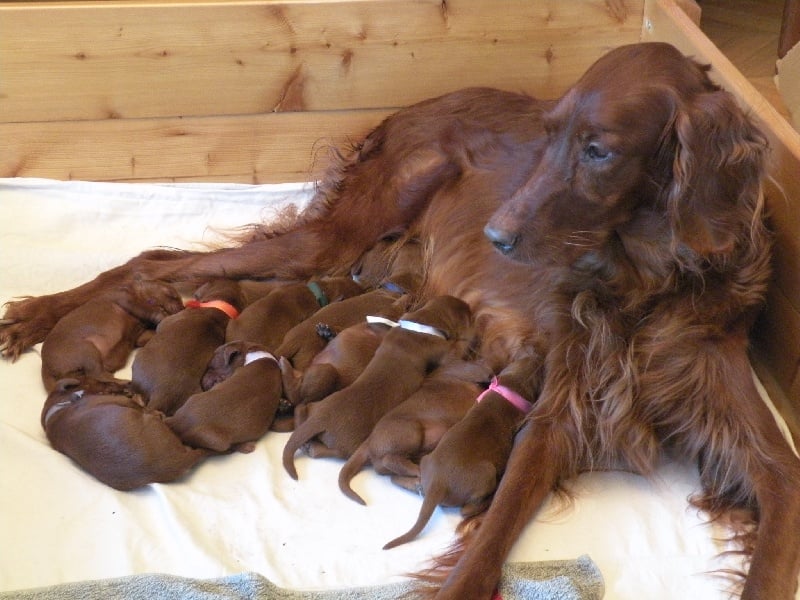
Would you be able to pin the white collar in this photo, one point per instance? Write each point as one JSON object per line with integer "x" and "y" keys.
{"x": 409, "y": 325}
{"x": 258, "y": 355}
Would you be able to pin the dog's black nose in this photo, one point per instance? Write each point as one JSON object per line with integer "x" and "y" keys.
{"x": 502, "y": 240}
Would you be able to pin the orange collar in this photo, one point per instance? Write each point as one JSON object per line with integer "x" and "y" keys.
{"x": 226, "y": 307}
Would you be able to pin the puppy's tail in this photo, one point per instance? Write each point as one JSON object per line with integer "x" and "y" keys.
{"x": 307, "y": 430}
{"x": 433, "y": 497}
{"x": 428, "y": 581}
{"x": 354, "y": 464}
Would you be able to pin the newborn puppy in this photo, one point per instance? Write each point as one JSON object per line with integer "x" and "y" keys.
{"x": 96, "y": 339}
{"x": 465, "y": 467}
{"x": 393, "y": 256}
{"x": 302, "y": 342}
{"x": 113, "y": 437}
{"x": 338, "y": 365}
{"x": 406, "y": 355}
{"x": 235, "y": 412}
{"x": 168, "y": 369}
{"x": 226, "y": 359}
{"x": 267, "y": 320}
{"x": 394, "y": 267}
{"x": 414, "y": 427}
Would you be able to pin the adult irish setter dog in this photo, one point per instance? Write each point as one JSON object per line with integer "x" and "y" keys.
{"x": 616, "y": 235}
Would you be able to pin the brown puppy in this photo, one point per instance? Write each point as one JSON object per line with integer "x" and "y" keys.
{"x": 113, "y": 437}
{"x": 466, "y": 466}
{"x": 414, "y": 427}
{"x": 337, "y": 366}
{"x": 241, "y": 292}
{"x": 397, "y": 283}
{"x": 168, "y": 369}
{"x": 226, "y": 359}
{"x": 344, "y": 419}
{"x": 267, "y": 320}
{"x": 629, "y": 216}
{"x": 96, "y": 339}
{"x": 236, "y": 412}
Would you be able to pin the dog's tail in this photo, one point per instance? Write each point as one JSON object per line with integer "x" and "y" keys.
{"x": 354, "y": 464}
{"x": 307, "y": 430}
{"x": 426, "y": 582}
{"x": 433, "y": 497}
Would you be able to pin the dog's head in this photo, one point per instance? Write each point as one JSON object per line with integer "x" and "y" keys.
{"x": 644, "y": 144}
{"x": 225, "y": 360}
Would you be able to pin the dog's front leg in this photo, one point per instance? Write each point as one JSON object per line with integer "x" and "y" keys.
{"x": 533, "y": 470}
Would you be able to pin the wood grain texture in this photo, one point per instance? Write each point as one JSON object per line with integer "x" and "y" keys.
{"x": 99, "y": 60}
{"x": 272, "y": 148}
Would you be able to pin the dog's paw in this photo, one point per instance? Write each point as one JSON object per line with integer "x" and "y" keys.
{"x": 325, "y": 331}
{"x": 24, "y": 324}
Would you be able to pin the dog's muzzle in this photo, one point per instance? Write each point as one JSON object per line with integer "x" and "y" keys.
{"x": 504, "y": 241}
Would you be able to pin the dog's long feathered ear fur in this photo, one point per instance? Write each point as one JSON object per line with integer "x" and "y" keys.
{"x": 716, "y": 174}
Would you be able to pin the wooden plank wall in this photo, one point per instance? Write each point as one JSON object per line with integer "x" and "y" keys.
{"x": 246, "y": 91}
{"x": 254, "y": 91}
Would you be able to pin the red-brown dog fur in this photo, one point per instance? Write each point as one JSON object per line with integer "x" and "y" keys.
{"x": 95, "y": 340}
{"x": 629, "y": 215}
{"x": 113, "y": 437}
{"x": 237, "y": 411}
{"x": 344, "y": 419}
{"x": 267, "y": 320}
{"x": 393, "y": 266}
{"x": 415, "y": 426}
{"x": 465, "y": 467}
{"x": 169, "y": 368}
{"x": 338, "y": 365}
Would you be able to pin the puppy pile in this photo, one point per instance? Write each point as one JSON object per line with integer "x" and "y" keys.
{"x": 350, "y": 365}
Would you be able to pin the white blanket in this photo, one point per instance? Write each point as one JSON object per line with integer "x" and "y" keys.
{"x": 242, "y": 513}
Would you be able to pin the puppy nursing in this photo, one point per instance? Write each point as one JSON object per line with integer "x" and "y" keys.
{"x": 113, "y": 436}
{"x": 235, "y": 412}
{"x": 168, "y": 369}
{"x": 95, "y": 339}
{"x": 612, "y": 247}
{"x": 336, "y": 425}
{"x": 415, "y": 426}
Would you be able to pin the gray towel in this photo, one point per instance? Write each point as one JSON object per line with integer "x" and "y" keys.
{"x": 578, "y": 579}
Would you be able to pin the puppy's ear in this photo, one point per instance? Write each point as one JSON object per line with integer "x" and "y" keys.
{"x": 231, "y": 354}
{"x": 716, "y": 173}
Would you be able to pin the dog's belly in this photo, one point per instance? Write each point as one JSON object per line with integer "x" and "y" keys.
{"x": 462, "y": 262}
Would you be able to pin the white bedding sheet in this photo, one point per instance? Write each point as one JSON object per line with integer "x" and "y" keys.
{"x": 242, "y": 512}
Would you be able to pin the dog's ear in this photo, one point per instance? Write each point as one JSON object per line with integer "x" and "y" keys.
{"x": 716, "y": 173}
{"x": 231, "y": 354}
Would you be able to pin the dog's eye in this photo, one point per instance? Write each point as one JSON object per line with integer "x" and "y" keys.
{"x": 597, "y": 153}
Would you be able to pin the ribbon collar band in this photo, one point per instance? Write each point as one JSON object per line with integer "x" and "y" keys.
{"x": 315, "y": 288}
{"x": 409, "y": 325}
{"x": 394, "y": 288}
{"x": 77, "y": 395}
{"x": 226, "y": 307}
{"x": 510, "y": 396}
{"x": 259, "y": 355}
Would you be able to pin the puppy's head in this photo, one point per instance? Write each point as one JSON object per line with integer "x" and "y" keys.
{"x": 225, "y": 360}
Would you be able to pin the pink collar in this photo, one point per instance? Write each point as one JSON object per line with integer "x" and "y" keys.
{"x": 226, "y": 307}
{"x": 510, "y": 395}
